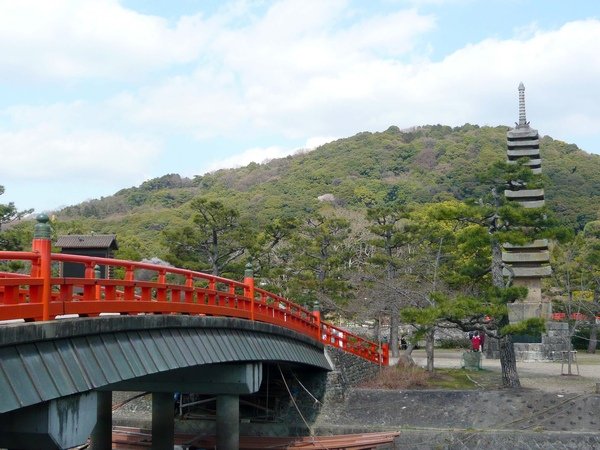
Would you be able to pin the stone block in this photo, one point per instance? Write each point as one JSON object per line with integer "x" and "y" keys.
{"x": 531, "y": 272}
{"x": 522, "y": 311}
{"x": 526, "y": 257}
{"x": 471, "y": 360}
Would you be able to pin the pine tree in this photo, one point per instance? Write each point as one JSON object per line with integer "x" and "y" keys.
{"x": 474, "y": 265}
{"x": 213, "y": 239}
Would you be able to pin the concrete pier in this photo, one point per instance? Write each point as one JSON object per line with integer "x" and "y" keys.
{"x": 163, "y": 416}
{"x": 102, "y": 435}
{"x": 228, "y": 422}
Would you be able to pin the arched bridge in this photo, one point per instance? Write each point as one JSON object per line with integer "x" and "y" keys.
{"x": 66, "y": 343}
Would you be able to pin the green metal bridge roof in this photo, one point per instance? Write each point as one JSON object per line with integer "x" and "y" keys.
{"x": 43, "y": 361}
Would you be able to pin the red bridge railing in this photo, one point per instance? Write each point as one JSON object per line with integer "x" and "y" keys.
{"x": 44, "y": 295}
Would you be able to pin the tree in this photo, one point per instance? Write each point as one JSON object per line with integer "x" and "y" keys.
{"x": 436, "y": 238}
{"x": 212, "y": 241}
{"x": 590, "y": 269}
{"x": 391, "y": 229}
{"x": 482, "y": 227}
{"x": 10, "y": 214}
{"x": 317, "y": 258}
{"x": 268, "y": 252}
{"x": 567, "y": 276}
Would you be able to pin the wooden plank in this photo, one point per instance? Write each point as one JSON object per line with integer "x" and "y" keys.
{"x": 136, "y": 438}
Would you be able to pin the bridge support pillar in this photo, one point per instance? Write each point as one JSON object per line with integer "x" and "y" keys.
{"x": 60, "y": 423}
{"x": 102, "y": 434}
{"x": 228, "y": 422}
{"x": 163, "y": 417}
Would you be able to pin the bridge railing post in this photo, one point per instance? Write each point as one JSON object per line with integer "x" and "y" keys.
{"x": 385, "y": 354}
{"x": 129, "y": 289}
{"x": 161, "y": 291}
{"x": 317, "y": 313}
{"x": 89, "y": 290}
{"x": 249, "y": 287}
{"x": 42, "y": 245}
{"x": 97, "y": 275}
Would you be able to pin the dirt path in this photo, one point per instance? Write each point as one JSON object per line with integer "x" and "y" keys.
{"x": 545, "y": 376}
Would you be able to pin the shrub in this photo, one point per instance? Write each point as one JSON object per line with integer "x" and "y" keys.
{"x": 401, "y": 376}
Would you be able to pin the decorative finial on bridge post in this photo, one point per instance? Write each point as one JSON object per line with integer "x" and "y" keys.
{"x": 42, "y": 229}
{"x": 43, "y": 267}
{"x": 249, "y": 272}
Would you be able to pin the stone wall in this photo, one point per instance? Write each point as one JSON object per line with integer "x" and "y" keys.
{"x": 321, "y": 389}
{"x": 556, "y": 340}
{"x": 521, "y": 419}
{"x": 349, "y": 371}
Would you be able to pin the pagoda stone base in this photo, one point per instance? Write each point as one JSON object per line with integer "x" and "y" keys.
{"x": 527, "y": 310}
{"x": 554, "y": 342}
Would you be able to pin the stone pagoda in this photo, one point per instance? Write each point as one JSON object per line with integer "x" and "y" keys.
{"x": 529, "y": 263}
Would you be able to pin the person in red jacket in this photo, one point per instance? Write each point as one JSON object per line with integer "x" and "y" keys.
{"x": 476, "y": 342}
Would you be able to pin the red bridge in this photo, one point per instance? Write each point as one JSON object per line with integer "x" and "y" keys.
{"x": 42, "y": 295}
{"x": 185, "y": 331}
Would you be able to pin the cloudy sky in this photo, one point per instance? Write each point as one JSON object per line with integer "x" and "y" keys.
{"x": 100, "y": 95}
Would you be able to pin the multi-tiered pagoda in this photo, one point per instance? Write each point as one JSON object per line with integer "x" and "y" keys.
{"x": 529, "y": 263}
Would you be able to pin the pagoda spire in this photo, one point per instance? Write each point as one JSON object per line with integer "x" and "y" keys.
{"x": 522, "y": 118}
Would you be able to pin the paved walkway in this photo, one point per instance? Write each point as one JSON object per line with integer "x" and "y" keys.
{"x": 546, "y": 376}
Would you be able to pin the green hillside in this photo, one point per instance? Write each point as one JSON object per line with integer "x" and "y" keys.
{"x": 424, "y": 164}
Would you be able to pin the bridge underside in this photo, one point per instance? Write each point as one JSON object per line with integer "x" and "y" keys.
{"x": 44, "y": 364}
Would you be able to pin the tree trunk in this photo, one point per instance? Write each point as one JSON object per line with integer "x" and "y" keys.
{"x": 377, "y": 329}
{"x": 429, "y": 341}
{"x": 594, "y": 327}
{"x": 508, "y": 359}
{"x": 593, "y": 337}
{"x": 394, "y": 340}
{"x": 406, "y": 356}
{"x": 508, "y": 362}
{"x": 497, "y": 278}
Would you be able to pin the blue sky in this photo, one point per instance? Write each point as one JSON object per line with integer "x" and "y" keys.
{"x": 100, "y": 95}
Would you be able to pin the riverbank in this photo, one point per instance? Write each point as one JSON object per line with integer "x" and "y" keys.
{"x": 551, "y": 410}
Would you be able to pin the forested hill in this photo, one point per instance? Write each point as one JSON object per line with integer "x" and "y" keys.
{"x": 423, "y": 164}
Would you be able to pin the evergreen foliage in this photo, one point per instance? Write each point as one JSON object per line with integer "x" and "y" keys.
{"x": 423, "y": 164}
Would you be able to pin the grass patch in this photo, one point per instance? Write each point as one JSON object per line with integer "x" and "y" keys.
{"x": 464, "y": 379}
{"x": 405, "y": 376}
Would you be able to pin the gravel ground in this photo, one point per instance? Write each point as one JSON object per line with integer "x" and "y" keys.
{"x": 545, "y": 376}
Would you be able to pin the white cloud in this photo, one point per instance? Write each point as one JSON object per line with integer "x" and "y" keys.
{"x": 316, "y": 77}
{"x": 298, "y": 58}
{"x": 48, "y": 153}
{"x": 90, "y": 38}
{"x": 559, "y": 68}
{"x": 331, "y": 71}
